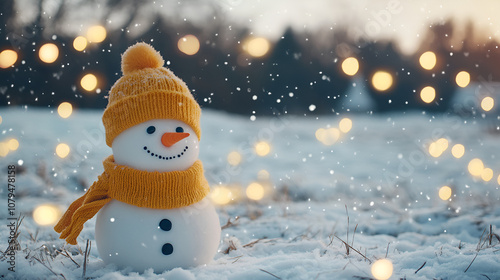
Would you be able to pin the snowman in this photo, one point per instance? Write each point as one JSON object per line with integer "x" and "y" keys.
{"x": 150, "y": 201}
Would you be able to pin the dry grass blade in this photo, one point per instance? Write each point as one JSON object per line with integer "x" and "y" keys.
{"x": 347, "y": 214}
{"x": 471, "y": 262}
{"x": 50, "y": 269}
{"x": 86, "y": 256}
{"x": 229, "y": 223}
{"x": 361, "y": 254}
{"x": 486, "y": 276}
{"x": 269, "y": 273}
{"x": 253, "y": 243}
{"x": 66, "y": 254}
{"x": 230, "y": 248}
{"x": 422, "y": 266}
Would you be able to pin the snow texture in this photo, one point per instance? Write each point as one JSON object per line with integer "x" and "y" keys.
{"x": 375, "y": 188}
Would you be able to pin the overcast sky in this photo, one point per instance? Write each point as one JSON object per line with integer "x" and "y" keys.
{"x": 403, "y": 19}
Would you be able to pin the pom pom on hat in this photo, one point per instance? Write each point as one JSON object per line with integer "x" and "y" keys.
{"x": 140, "y": 56}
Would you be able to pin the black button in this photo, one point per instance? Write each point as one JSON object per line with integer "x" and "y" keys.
{"x": 167, "y": 249}
{"x": 166, "y": 224}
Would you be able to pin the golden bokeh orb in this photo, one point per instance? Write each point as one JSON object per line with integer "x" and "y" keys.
{"x": 47, "y": 214}
{"x": 350, "y": 66}
{"x": 80, "y": 43}
{"x": 428, "y": 94}
{"x": 7, "y": 58}
{"x": 428, "y": 60}
{"x": 62, "y": 150}
{"x": 189, "y": 44}
{"x": 48, "y": 53}
{"x": 382, "y": 80}
{"x": 255, "y": 191}
{"x": 445, "y": 192}
{"x": 257, "y": 47}
{"x": 89, "y": 82}
{"x": 382, "y": 269}
{"x": 96, "y": 34}
{"x": 462, "y": 79}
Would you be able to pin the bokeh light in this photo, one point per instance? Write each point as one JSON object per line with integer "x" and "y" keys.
{"x": 487, "y": 174}
{"x": 328, "y": 136}
{"x": 350, "y": 66}
{"x": 498, "y": 179}
{"x": 262, "y": 148}
{"x": 1, "y": 119}
{"x": 382, "y": 80}
{"x": 48, "y": 53}
{"x": 7, "y": 58}
{"x": 256, "y": 47}
{"x": 96, "y": 34}
{"x": 221, "y": 195}
{"x": 382, "y": 269}
{"x": 80, "y": 43}
{"x": 46, "y": 214}
{"x": 445, "y": 192}
{"x": 428, "y": 94}
{"x": 475, "y": 167}
{"x": 4, "y": 149}
{"x": 234, "y": 158}
{"x": 189, "y": 44}
{"x": 89, "y": 82}
{"x": 463, "y": 79}
{"x": 65, "y": 109}
{"x": 487, "y": 103}
{"x": 436, "y": 149}
{"x": 428, "y": 60}
{"x": 62, "y": 150}
{"x": 12, "y": 144}
{"x": 458, "y": 150}
{"x": 345, "y": 125}
{"x": 255, "y": 191}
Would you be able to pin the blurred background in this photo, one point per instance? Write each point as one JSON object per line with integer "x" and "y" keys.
{"x": 255, "y": 58}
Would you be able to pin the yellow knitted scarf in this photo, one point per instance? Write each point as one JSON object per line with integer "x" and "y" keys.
{"x": 159, "y": 190}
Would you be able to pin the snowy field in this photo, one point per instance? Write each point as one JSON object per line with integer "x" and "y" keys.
{"x": 376, "y": 188}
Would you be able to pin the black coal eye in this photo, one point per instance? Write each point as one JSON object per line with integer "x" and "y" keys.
{"x": 151, "y": 130}
{"x": 179, "y": 129}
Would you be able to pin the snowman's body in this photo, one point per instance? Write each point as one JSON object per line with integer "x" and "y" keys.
{"x": 161, "y": 239}
{"x": 143, "y": 238}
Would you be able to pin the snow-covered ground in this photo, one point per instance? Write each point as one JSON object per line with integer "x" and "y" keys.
{"x": 376, "y": 188}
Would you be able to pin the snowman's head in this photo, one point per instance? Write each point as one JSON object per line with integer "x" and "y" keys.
{"x": 157, "y": 145}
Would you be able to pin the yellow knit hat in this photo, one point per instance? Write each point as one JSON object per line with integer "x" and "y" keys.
{"x": 147, "y": 91}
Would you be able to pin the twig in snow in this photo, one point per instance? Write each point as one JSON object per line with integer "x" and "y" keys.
{"x": 56, "y": 274}
{"x": 269, "y": 273}
{"x": 347, "y": 214}
{"x": 486, "y": 276}
{"x": 230, "y": 248}
{"x": 86, "y": 255}
{"x": 229, "y": 223}
{"x": 422, "y": 266}
{"x": 354, "y": 234}
{"x": 490, "y": 236}
{"x": 236, "y": 258}
{"x": 65, "y": 253}
{"x": 253, "y": 243}
{"x": 471, "y": 262}
{"x": 347, "y": 245}
{"x": 387, "y": 251}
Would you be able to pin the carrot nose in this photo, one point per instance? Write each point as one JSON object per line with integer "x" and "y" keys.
{"x": 170, "y": 138}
